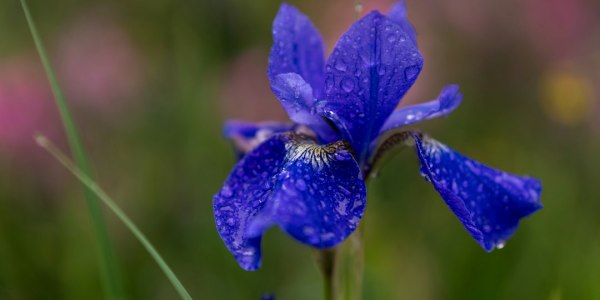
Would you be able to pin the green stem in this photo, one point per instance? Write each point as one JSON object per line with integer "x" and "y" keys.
{"x": 98, "y": 191}
{"x": 342, "y": 268}
{"x": 326, "y": 261}
{"x": 108, "y": 267}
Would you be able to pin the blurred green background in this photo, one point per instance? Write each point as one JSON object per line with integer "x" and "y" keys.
{"x": 150, "y": 83}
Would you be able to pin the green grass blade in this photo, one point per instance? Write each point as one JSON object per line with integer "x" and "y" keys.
{"x": 108, "y": 266}
{"x": 91, "y": 184}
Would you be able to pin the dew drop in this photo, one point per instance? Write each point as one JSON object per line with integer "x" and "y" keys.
{"x": 500, "y": 244}
{"x": 487, "y": 228}
{"x": 329, "y": 84}
{"x": 226, "y": 192}
{"x": 340, "y": 156}
{"x": 340, "y": 65}
{"x": 307, "y": 230}
{"x": 347, "y": 85}
{"x": 300, "y": 184}
{"x": 425, "y": 176}
{"x": 411, "y": 72}
{"x": 392, "y": 38}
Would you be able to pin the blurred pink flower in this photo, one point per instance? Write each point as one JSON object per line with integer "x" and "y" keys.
{"x": 99, "y": 66}
{"x": 559, "y": 29}
{"x": 472, "y": 18}
{"x": 245, "y": 92}
{"x": 26, "y": 106}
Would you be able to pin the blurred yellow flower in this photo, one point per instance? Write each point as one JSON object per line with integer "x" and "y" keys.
{"x": 566, "y": 96}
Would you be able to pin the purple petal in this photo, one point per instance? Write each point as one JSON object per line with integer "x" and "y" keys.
{"x": 314, "y": 193}
{"x": 297, "y": 48}
{"x": 489, "y": 202}
{"x": 246, "y": 136}
{"x": 448, "y": 100}
{"x": 371, "y": 68}
{"x": 297, "y": 99}
{"x": 398, "y": 15}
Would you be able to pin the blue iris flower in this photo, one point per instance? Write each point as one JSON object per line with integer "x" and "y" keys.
{"x": 308, "y": 177}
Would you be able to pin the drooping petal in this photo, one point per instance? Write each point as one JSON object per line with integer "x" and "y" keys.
{"x": 314, "y": 193}
{"x": 296, "y": 97}
{"x": 245, "y": 136}
{"x": 448, "y": 100}
{"x": 398, "y": 15}
{"x": 297, "y": 48}
{"x": 372, "y": 66}
{"x": 489, "y": 202}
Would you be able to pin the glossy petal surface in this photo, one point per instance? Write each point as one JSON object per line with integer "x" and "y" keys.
{"x": 448, "y": 100}
{"x": 314, "y": 193}
{"x": 398, "y": 15}
{"x": 245, "y": 136}
{"x": 297, "y": 48}
{"x": 296, "y": 97}
{"x": 372, "y": 66}
{"x": 490, "y": 203}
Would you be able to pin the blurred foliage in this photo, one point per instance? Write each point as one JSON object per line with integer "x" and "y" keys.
{"x": 162, "y": 156}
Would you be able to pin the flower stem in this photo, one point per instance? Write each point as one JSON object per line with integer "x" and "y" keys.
{"x": 326, "y": 261}
{"x": 108, "y": 265}
{"x": 342, "y": 268}
{"x": 98, "y": 191}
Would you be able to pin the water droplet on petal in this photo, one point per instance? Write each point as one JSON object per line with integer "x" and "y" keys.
{"x": 500, "y": 244}
{"x": 329, "y": 84}
{"x": 392, "y": 38}
{"x": 347, "y": 84}
{"x": 411, "y": 72}
{"x": 300, "y": 184}
{"x": 226, "y": 192}
{"x": 425, "y": 176}
{"x": 340, "y": 65}
{"x": 340, "y": 155}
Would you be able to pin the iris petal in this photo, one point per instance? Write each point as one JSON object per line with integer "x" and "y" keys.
{"x": 398, "y": 15}
{"x": 314, "y": 193}
{"x": 448, "y": 100}
{"x": 372, "y": 66}
{"x": 245, "y": 136}
{"x": 296, "y": 97}
{"x": 489, "y": 202}
{"x": 297, "y": 48}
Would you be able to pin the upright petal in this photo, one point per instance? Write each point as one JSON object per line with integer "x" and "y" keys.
{"x": 398, "y": 15}
{"x": 372, "y": 66}
{"x": 297, "y": 48}
{"x": 448, "y": 100}
{"x": 314, "y": 193}
{"x": 296, "y": 97}
{"x": 489, "y": 202}
{"x": 246, "y": 136}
